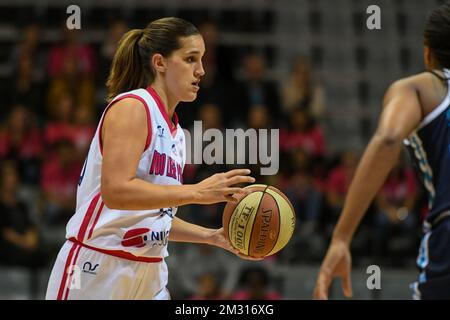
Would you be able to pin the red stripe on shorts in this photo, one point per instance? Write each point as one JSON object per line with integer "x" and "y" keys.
{"x": 64, "y": 278}
{"x": 71, "y": 274}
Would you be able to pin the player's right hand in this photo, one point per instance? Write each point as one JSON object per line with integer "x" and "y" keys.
{"x": 219, "y": 187}
{"x": 337, "y": 263}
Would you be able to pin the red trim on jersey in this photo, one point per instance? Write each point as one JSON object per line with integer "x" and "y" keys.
{"x": 62, "y": 286}
{"x": 162, "y": 109}
{"x": 70, "y": 277}
{"x": 88, "y": 217}
{"x": 119, "y": 253}
{"x": 96, "y": 219}
{"x": 149, "y": 123}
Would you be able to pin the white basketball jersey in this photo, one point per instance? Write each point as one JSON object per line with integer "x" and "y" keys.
{"x": 141, "y": 233}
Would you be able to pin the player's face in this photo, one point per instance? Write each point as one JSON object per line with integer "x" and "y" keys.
{"x": 185, "y": 68}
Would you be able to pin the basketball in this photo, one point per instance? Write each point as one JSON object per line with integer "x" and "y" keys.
{"x": 260, "y": 223}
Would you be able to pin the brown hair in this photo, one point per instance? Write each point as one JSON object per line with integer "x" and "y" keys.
{"x": 131, "y": 66}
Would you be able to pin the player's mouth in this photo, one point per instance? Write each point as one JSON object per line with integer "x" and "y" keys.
{"x": 195, "y": 85}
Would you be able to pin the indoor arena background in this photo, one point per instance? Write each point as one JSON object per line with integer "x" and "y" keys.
{"x": 323, "y": 74}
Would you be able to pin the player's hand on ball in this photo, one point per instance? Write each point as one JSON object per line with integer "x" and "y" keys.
{"x": 219, "y": 239}
{"x": 219, "y": 187}
{"x": 337, "y": 263}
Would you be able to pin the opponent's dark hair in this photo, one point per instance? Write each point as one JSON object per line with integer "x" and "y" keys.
{"x": 131, "y": 66}
{"x": 437, "y": 34}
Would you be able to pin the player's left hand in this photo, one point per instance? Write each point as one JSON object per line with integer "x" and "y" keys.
{"x": 217, "y": 238}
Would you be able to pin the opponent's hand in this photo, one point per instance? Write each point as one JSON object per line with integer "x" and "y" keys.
{"x": 218, "y": 187}
{"x": 337, "y": 263}
{"x": 218, "y": 238}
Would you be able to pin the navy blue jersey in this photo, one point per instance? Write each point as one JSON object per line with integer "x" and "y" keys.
{"x": 430, "y": 149}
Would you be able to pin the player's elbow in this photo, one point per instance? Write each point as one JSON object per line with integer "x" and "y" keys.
{"x": 388, "y": 139}
{"x": 111, "y": 195}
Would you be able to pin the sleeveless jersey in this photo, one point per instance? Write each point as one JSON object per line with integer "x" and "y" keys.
{"x": 429, "y": 146}
{"x": 135, "y": 233}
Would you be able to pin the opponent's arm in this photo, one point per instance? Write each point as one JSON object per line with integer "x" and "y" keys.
{"x": 124, "y": 137}
{"x": 401, "y": 115}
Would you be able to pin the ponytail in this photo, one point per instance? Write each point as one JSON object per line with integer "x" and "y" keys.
{"x": 127, "y": 71}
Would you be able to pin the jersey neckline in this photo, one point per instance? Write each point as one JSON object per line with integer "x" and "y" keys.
{"x": 162, "y": 109}
{"x": 441, "y": 107}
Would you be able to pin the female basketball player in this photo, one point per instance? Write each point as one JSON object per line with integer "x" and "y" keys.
{"x": 415, "y": 109}
{"x": 131, "y": 183}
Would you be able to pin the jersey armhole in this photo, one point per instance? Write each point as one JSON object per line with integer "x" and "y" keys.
{"x": 147, "y": 111}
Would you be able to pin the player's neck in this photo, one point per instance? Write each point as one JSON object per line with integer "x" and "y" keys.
{"x": 169, "y": 105}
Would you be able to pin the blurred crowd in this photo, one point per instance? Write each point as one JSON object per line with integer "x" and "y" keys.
{"x": 49, "y": 113}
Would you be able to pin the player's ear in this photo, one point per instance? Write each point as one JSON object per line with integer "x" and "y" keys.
{"x": 159, "y": 63}
{"x": 429, "y": 59}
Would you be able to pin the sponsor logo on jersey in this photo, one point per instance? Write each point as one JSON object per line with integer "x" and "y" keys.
{"x": 166, "y": 211}
{"x": 141, "y": 237}
{"x": 160, "y": 131}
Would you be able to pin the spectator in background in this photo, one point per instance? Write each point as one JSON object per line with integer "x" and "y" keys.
{"x": 339, "y": 180}
{"x": 19, "y": 237}
{"x": 83, "y": 131}
{"x": 208, "y": 288}
{"x": 217, "y": 59}
{"x": 303, "y": 133}
{"x": 259, "y": 117}
{"x": 60, "y": 174}
{"x": 394, "y": 215}
{"x": 107, "y": 50}
{"x": 301, "y": 91}
{"x": 255, "y": 285}
{"x": 27, "y": 63}
{"x": 21, "y": 141}
{"x": 254, "y": 89}
{"x": 213, "y": 262}
{"x": 300, "y": 186}
{"x": 59, "y": 126}
{"x": 211, "y": 118}
{"x": 218, "y": 79}
{"x": 71, "y": 67}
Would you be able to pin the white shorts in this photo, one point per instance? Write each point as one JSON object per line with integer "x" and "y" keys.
{"x": 80, "y": 273}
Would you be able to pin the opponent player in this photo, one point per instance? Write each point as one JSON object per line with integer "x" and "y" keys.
{"x": 415, "y": 109}
{"x": 131, "y": 183}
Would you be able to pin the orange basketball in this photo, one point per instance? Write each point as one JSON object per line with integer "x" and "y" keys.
{"x": 260, "y": 223}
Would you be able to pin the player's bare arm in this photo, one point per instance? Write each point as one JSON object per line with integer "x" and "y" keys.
{"x": 122, "y": 149}
{"x": 183, "y": 231}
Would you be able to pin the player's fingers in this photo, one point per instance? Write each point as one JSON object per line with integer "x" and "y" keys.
{"x": 237, "y": 172}
{"x": 243, "y": 256}
{"x": 234, "y": 190}
{"x": 322, "y": 286}
{"x": 240, "y": 179}
{"x": 229, "y": 198}
{"x": 347, "y": 284}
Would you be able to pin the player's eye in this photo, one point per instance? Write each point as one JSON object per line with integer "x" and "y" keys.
{"x": 190, "y": 59}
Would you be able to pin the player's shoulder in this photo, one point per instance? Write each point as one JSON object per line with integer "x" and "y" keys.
{"x": 416, "y": 81}
{"x": 412, "y": 83}
{"x": 127, "y": 108}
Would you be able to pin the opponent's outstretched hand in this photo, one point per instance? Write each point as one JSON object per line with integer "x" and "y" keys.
{"x": 337, "y": 263}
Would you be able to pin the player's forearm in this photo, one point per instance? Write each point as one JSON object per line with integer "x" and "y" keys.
{"x": 183, "y": 231}
{"x": 376, "y": 163}
{"x": 137, "y": 194}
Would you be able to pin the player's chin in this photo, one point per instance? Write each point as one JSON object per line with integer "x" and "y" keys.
{"x": 191, "y": 96}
